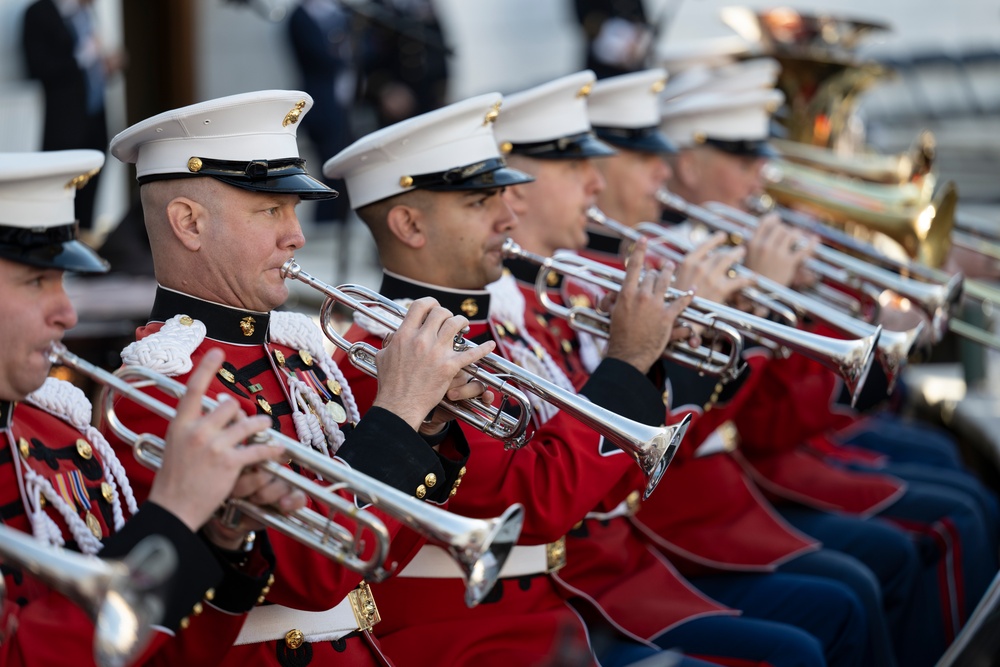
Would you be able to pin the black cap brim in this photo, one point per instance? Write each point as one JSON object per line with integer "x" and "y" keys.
{"x": 498, "y": 178}
{"x": 303, "y": 185}
{"x": 760, "y": 148}
{"x": 72, "y": 256}
{"x": 576, "y": 147}
{"x": 642, "y": 141}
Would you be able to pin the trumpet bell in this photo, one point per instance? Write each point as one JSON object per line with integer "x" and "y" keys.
{"x": 483, "y": 553}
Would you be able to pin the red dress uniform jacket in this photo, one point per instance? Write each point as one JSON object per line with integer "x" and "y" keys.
{"x": 60, "y": 473}
{"x": 561, "y": 474}
{"x": 257, "y": 373}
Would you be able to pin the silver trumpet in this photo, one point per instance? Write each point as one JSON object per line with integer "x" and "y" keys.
{"x": 491, "y": 420}
{"x": 830, "y": 264}
{"x": 851, "y": 359}
{"x": 479, "y": 546}
{"x": 893, "y": 349}
{"x": 121, "y": 597}
{"x": 651, "y": 447}
{"x": 708, "y": 360}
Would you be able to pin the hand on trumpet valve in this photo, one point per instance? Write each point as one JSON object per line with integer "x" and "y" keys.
{"x": 205, "y": 458}
{"x": 708, "y": 270}
{"x": 642, "y": 320}
{"x": 777, "y": 251}
{"x": 421, "y": 364}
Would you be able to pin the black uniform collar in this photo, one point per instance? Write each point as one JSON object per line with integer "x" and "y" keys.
{"x": 6, "y": 413}
{"x": 473, "y": 304}
{"x": 222, "y": 323}
{"x": 605, "y": 244}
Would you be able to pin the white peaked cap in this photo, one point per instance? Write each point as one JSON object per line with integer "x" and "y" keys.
{"x": 677, "y": 57}
{"x": 253, "y": 133}
{"x": 550, "y": 120}
{"x": 452, "y": 148}
{"x": 38, "y": 190}
{"x": 624, "y": 111}
{"x": 734, "y": 77}
{"x": 37, "y": 219}
{"x": 627, "y": 100}
{"x": 720, "y": 115}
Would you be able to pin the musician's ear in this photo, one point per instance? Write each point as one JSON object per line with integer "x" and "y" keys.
{"x": 408, "y": 225}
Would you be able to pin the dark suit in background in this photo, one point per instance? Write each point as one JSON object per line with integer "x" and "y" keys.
{"x": 73, "y": 116}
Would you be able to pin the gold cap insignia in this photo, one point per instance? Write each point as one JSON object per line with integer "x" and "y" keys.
{"x": 194, "y": 164}
{"x": 506, "y": 147}
{"x": 292, "y": 116}
{"x": 470, "y": 307}
{"x": 584, "y": 91}
{"x": 81, "y": 180}
{"x": 405, "y": 181}
{"x": 246, "y": 325}
{"x": 492, "y": 114}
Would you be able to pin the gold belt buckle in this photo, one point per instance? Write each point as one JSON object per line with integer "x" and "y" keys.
{"x": 555, "y": 555}
{"x": 363, "y": 606}
{"x": 730, "y": 436}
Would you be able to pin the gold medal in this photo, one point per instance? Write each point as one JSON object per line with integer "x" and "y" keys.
{"x": 337, "y": 411}
{"x": 94, "y": 525}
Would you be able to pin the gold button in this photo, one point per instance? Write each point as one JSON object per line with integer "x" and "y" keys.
{"x": 210, "y": 594}
{"x": 279, "y": 357}
{"x": 578, "y": 525}
{"x": 265, "y": 590}
{"x": 430, "y": 480}
{"x": 552, "y": 279}
{"x": 197, "y": 609}
{"x": 42, "y": 502}
{"x": 500, "y": 330}
{"x": 458, "y": 483}
{"x": 453, "y": 491}
{"x": 306, "y": 358}
{"x": 228, "y": 376}
{"x": 421, "y": 491}
{"x": 185, "y": 622}
{"x": 270, "y": 580}
{"x": 294, "y": 639}
{"x": 23, "y": 447}
{"x": 541, "y": 320}
{"x": 84, "y": 449}
{"x": 107, "y": 492}
{"x": 461, "y": 473}
{"x": 194, "y": 164}
{"x": 186, "y": 320}
{"x": 264, "y": 405}
{"x": 567, "y": 346}
{"x": 260, "y": 600}
{"x": 334, "y": 387}
{"x": 405, "y": 181}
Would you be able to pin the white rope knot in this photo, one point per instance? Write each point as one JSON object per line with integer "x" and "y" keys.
{"x": 69, "y": 404}
{"x": 169, "y": 350}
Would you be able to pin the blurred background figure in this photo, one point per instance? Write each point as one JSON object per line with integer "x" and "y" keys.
{"x": 617, "y": 33}
{"x": 63, "y": 50}
{"x": 404, "y": 60}
{"x": 319, "y": 32}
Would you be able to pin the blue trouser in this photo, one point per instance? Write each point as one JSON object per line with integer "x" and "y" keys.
{"x": 850, "y": 572}
{"x": 946, "y": 553}
{"x": 827, "y": 610}
{"x": 625, "y": 653}
{"x": 747, "y": 639}
{"x": 904, "y": 441}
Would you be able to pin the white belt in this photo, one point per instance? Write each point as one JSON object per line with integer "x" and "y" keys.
{"x": 723, "y": 439}
{"x": 627, "y": 507}
{"x": 267, "y": 623}
{"x": 433, "y": 562}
